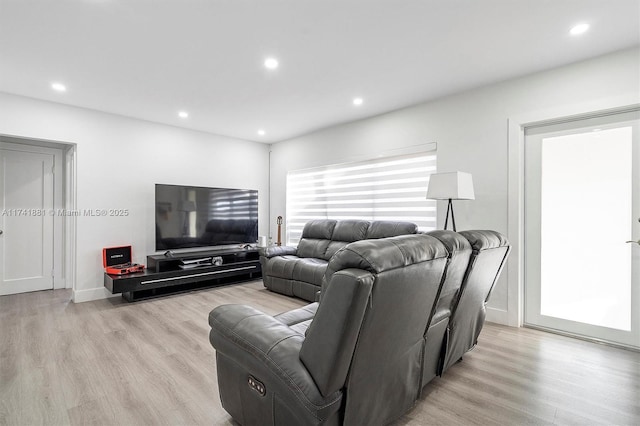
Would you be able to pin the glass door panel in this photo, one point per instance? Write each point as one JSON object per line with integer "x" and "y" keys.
{"x": 581, "y": 206}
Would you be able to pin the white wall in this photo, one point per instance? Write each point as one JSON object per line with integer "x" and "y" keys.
{"x": 471, "y": 131}
{"x": 118, "y": 162}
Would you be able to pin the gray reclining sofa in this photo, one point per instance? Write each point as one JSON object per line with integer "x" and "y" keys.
{"x": 298, "y": 271}
{"x": 394, "y": 313}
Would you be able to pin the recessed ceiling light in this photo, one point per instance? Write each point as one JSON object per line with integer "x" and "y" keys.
{"x": 59, "y": 87}
{"x": 183, "y": 114}
{"x": 357, "y": 101}
{"x": 271, "y": 63}
{"x": 261, "y": 132}
{"x": 579, "y": 29}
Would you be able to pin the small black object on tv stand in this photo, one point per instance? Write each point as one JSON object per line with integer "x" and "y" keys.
{"x": 165, "y": 276}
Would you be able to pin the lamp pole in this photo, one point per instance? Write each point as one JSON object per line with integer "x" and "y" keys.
{"x": 453, "y": 218}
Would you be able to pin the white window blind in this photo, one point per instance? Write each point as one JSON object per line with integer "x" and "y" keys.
{"x": 390, "y": 188}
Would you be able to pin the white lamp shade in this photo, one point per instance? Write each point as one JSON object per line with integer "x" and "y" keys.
{"x": 452, "y": 185}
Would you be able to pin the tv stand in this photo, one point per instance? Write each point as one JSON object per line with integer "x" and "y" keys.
{"x": 164, "y": 274}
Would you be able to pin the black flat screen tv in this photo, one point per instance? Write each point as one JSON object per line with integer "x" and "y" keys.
{"x": 190, "y": 217}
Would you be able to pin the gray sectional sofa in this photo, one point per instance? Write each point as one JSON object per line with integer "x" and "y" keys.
{"x": 298, "y": 271}
{"x": 394, "y": 313}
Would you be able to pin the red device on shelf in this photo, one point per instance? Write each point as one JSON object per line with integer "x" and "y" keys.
{"x": 117, "y": 261}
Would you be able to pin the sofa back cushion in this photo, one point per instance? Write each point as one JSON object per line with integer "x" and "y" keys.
{"x": 345, "y": 232}
{"x": 315, "y": 238}
{"x": 332, "y": 335}
{"x": 490, "y": 252}
{"x": 459, "y": 250}
{"x": 385, "y": 228}
{"x": 459, "y": 254}
{"x": 322, "y": 238}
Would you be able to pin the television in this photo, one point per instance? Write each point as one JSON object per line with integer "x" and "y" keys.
{"x": 189, "y": 217}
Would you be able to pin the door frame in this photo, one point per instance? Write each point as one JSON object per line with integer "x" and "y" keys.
{"x": 516, "y": 125}
{"x": 65, "y": 226}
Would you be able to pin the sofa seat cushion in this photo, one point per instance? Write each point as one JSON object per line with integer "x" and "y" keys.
{"x": 301, "y": 327}
{"x": 282, "y": 266}
{"x": 299, "y": 315}
{"x": 310, "y": 270}
{"x": 291, "y": 267}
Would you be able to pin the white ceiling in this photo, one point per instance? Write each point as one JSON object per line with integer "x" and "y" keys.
{"x": 150, "y": 59}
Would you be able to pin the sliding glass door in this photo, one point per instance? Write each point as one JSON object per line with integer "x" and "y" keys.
{"x": 582, "y": 205}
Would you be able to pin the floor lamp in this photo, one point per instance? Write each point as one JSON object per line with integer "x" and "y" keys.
{"x": 450, "y": 186}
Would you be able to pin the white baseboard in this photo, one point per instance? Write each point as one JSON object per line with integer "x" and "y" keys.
{"x": 499, "y": 316}
{"x": 88, "y": 295}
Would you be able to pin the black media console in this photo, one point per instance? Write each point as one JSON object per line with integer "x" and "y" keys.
{"x": 186, "y": 271}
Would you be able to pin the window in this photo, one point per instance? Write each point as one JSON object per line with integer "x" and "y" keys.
{"x": 390, "y": 188}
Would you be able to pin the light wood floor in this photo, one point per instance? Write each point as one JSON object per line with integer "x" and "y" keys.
{"x": 110, "y": 362}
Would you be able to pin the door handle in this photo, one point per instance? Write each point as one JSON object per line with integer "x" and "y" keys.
{"x": 1, "y": 231}
{"x": 632, "y": 242}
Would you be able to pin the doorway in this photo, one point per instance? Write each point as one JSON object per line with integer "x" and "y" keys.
{"x": 582, "y": 205}
{"x": 37, "y": 247}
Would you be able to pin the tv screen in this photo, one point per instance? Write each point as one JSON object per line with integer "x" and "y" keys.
{"x": 194, "y": 216}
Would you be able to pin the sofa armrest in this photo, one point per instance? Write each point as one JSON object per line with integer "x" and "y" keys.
{"x": 273, "y": 251}
{"x": 268, "y": 348}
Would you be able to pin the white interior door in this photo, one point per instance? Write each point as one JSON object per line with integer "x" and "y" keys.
{"x": 26, "y": 221}
{"x": 582, "y": 205}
